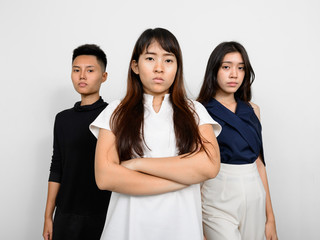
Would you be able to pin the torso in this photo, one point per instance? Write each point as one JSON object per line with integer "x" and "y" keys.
{"x": 240, "y": 141}
{"x": 75, "y": 151}
{"x": 173, "y": 215}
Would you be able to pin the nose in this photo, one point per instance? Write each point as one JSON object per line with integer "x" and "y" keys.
{"x": 83, "y": 75}
{"x": 158, "y": 67}
{"x": 234, "y": 72}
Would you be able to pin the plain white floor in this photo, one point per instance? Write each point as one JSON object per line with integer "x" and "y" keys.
{"x": 37, "y": 39}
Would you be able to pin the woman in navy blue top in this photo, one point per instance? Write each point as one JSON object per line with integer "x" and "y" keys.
{"x": 236, "y": 204}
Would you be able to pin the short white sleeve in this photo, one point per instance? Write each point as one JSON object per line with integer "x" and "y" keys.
{"x": 205, "y": 118}
{"x": 103, "y": 120}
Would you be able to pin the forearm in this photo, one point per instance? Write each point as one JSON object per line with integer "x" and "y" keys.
{"x": 53, "y": 189}
{"x": 264, "y": 179}
{"x": 110, "y": 175}
{"x": 182, "y": 169}
{"x": 119, "y": 179}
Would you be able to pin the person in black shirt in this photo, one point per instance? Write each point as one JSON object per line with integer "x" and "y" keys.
{"x": 80, "y": 207}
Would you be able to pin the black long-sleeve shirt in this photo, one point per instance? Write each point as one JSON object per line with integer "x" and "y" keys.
{"x": 73, "y": 161}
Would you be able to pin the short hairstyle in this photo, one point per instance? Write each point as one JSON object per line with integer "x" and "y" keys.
{"x": 94, "y": 50}
{"x": 210, "y": 83}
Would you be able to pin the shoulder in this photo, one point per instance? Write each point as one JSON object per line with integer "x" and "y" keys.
{"x": 107, "y": 112}
{"x": 256, "y": 109}
{"x": 204, "y": 117}
{"x": 254, "y": 106}
{"x": 104, "y": 117}
{"x": 195, "y": 105}
{"x": 64, "y": 113}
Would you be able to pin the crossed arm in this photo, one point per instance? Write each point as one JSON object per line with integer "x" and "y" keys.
{"x": 147, "y": 176}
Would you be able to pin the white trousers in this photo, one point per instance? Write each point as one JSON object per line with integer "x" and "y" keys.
{"x": 233, "y": 204}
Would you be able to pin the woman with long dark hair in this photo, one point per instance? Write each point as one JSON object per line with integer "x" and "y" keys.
{"x": 154, "y": 148}
{"x": 236, "y": 204}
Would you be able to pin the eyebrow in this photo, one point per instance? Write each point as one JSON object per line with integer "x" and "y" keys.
{"x": 232, "y": 62}
{"x": 166, "y": 54}
{"x": 76, "y": 66}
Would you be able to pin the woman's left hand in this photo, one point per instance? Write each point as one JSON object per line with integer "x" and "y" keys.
{"x": 271, "y": 233}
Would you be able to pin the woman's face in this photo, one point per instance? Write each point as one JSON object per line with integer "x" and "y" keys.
{"x": 231, "y": 73}
{"x": 157, "y": 69}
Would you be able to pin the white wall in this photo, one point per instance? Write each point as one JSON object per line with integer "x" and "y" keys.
{"x": 37, "y": 39}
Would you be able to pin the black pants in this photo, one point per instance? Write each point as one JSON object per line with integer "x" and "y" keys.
{"x": 68, "y": 226}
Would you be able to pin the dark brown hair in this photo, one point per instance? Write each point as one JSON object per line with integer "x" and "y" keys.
{"x": 210, "y": 83}
{"x": 127, "y": 119}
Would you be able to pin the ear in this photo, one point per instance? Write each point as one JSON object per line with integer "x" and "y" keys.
{"x": 104, "y": 76}
{"x": 135, "y": 67}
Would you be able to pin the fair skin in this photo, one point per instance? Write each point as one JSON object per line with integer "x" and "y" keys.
{"x": 53, "y": 189}
{"x": 157, "y": 69}
{"x": 271, "y": 232}
{"x": 87, "y": 76}
{"x": 147, "y": 176}
{"x": 230, "y": 77}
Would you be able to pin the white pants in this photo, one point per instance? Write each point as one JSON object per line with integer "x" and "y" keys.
{"x": 233, "y": 204}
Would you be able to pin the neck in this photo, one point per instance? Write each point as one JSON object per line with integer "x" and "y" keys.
{"x": 89, "y": 99}
{"x": 225, "y": 98}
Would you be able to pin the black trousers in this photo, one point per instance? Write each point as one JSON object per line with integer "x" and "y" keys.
{"x": 68, "y": 226}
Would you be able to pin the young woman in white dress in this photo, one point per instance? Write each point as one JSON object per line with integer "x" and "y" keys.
{"x": 154, "y": 148}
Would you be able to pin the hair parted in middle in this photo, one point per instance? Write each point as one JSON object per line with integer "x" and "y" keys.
{"x": 128, "y": 119}
{"x": 210, "y": 83}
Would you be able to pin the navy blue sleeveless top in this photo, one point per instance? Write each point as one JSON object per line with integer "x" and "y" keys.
{"x": 240, "y": 140}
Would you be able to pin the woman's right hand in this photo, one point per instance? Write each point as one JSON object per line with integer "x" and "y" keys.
{"x": 47, "y": 229}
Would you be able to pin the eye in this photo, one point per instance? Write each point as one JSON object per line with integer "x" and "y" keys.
{"x": 75, "y": 70}
{"x": 90, "y": 70}
{"x": 241, "y": 68}
{"x": 169, "y": 60}
{"x": 225, "y": 67}
{"x": 149, "y": 59}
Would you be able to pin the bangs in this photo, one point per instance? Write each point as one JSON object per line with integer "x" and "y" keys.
{"x": 166, "y": 45}
{"x": 166, "y": 40}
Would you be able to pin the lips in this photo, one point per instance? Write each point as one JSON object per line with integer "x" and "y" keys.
{"x": 158, "y": 80}
{"x": 82, "y": 84}
{"x": 232, "y": 84}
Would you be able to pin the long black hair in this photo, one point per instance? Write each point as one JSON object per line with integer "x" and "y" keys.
{"x": 210, "y": 84}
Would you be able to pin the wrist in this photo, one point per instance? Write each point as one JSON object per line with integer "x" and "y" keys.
{"x": 48, "y": 218}
{"x": 270, "y": 218}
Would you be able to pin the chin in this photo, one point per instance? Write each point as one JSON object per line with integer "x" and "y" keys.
{"x": 85, "y": 93}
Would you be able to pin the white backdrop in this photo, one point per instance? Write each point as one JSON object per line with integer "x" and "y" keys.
{"x": 37, "y": 38}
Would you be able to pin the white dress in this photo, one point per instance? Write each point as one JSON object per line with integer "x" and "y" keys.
{"x": 173, "y": 215}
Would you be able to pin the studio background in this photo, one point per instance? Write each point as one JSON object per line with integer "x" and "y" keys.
{"x": 37, "y": 38}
